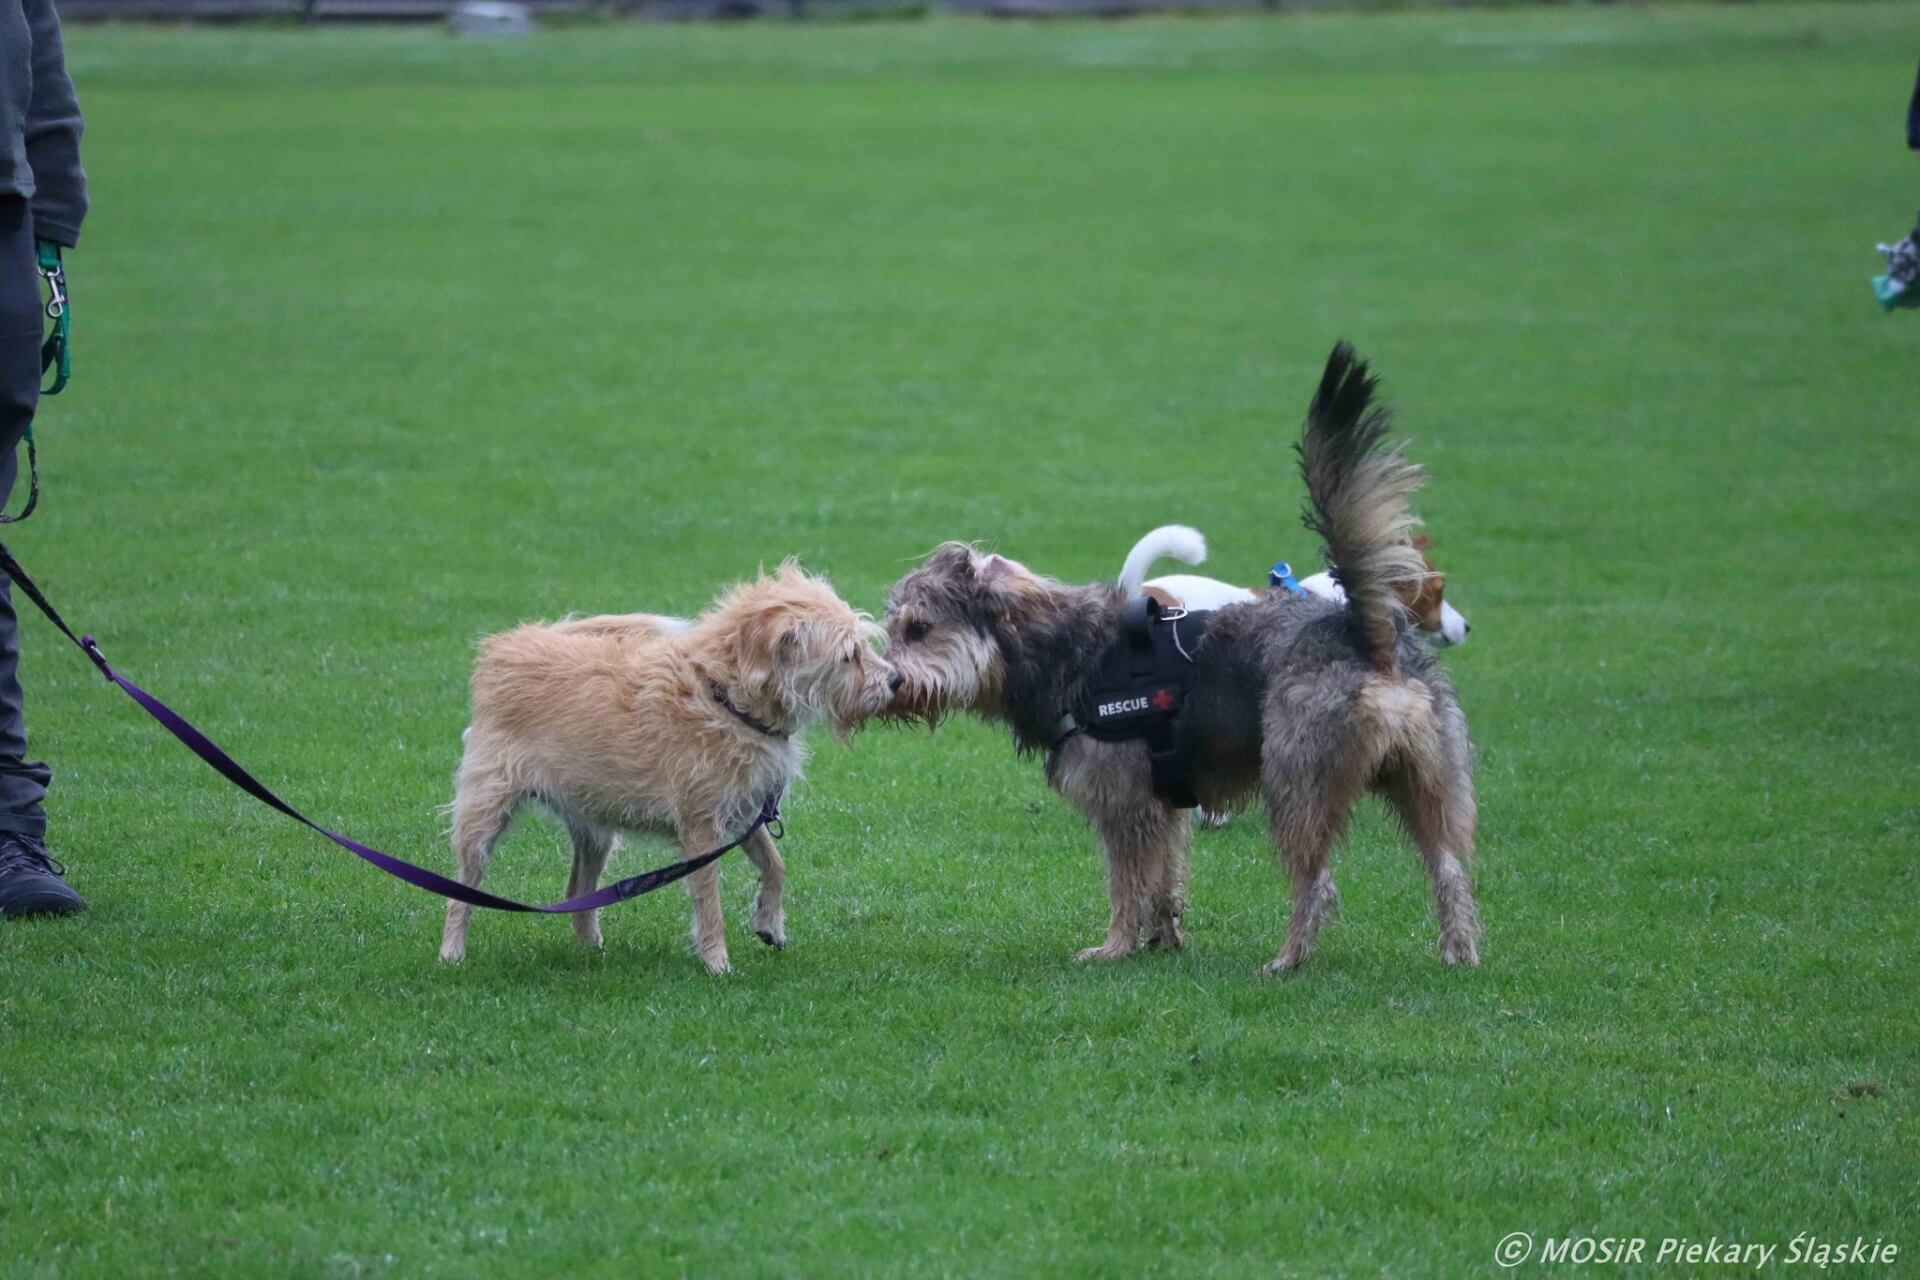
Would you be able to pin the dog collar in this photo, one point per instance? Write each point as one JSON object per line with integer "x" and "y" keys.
{"x": 1065, "y": 727}
{"x": 1281, "y": 575}
{"x": 758, "y": 726}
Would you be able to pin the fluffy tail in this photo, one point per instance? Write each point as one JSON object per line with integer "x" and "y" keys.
{"x": 1357, "y": 491}
{"x": 1176, "y": 540}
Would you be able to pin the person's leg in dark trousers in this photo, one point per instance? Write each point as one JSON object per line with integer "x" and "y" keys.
{"x": 30, "y": 882}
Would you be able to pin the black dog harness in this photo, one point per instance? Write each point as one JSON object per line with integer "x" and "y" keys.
{"x": 1140, "y": 690}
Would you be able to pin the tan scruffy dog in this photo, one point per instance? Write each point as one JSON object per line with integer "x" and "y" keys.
{"x": 648, "y": 723}
{"x": 1306, "y": 702}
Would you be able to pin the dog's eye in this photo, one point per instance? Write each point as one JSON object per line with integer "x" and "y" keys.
{"x": 917, "y": 631}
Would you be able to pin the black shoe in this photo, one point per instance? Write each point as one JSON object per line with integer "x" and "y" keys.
{"x": 30, "y": 881}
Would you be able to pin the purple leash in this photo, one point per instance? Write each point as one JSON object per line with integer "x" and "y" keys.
{"x": 432, "y": 881}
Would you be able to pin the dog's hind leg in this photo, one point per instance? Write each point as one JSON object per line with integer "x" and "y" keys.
{"x": 1433, "y": 794}
{"x": 483, "y": 805}
{"x": 769, "y": 910}
{"x": 1304, "y": 838}
{"x": 591, "y": 847}
{"x": 1311, "y": 781}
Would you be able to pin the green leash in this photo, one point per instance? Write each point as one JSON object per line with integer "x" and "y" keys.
{"x": 56, "y": 353}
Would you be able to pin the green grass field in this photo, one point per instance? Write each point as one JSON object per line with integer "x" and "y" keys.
{"x": 386, "y": 341}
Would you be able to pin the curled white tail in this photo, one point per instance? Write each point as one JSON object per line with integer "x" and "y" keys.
{"x": 1175, "y": 540}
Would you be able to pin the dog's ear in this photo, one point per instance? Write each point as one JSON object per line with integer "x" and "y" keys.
{"x": 997, "y": 568}
{"x": 1424, "y": 604}
{"x": 1000, "y": 583}
{"x": 753, "y": 666}
{"x": 951, "y": 559}
{"x": 765, "y": 643}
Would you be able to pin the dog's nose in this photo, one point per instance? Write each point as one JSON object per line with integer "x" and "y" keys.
{"x": 895, "y": 681}
{"x": 1469, "y": 629}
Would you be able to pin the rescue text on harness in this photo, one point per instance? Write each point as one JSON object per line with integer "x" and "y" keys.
{"x": 1140, "y": 689}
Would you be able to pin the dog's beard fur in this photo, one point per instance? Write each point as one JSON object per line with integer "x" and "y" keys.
{"x": 959, "y": 670}
{"x": 795, "y": 654}
{"x": 973, "y": 632}
{"x": 842, "y": 682}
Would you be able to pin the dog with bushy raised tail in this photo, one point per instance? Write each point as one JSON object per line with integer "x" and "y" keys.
{"x": 1306, "y": 702}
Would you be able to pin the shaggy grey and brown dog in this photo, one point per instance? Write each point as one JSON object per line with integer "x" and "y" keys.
{"x": 1307, "y": 702}
{"x": 651, "y": 723}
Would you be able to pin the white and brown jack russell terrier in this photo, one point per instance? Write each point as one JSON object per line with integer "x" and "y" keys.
{"x": 1439, "y": 622}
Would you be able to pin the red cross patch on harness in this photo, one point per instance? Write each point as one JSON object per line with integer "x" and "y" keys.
{"x": 1163, "y": 701}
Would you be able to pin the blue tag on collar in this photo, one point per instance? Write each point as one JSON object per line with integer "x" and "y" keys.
{"x": 1281, "y": 575}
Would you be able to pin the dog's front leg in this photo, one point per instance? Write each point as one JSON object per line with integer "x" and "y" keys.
{"x": 1140, "y": 848}
{"x": 769, "y": 910}
{"x": 1112, "y": 788}
{"x": 703, "y": 887}
{"x": 1170, "y": 893}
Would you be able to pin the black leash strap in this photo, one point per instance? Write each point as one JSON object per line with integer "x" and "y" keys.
{"x": 33, "y": 484}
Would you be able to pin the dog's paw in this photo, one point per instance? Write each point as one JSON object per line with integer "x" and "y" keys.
{"x": 1107, "y": 951}
{"x": 1167, "y": 937}
{"x": 770, "y": 924}
{"x": 717, "y": 965}
{"x": 450, "y": 954}
{"x": 1285, "y": 964}
{"x": 1459, "y": 948}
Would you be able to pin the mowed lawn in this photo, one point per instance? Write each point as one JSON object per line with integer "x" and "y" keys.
{"x": 387, "y": 340}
